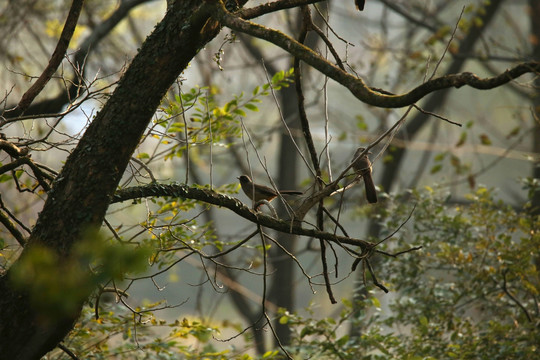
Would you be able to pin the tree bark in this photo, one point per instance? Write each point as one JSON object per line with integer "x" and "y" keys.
{"x": 83, "y": 191}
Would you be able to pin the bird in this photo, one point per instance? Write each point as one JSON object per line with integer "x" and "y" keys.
{"x": 257, "y": 192}
{"x": 362, "y": 167}
{"x": 360, "y": 4}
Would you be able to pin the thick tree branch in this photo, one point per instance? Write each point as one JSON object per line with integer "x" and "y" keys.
{"x": 270, "y": 7}
{"x": 356, "y": 85}
{"x": 235, "y": 205}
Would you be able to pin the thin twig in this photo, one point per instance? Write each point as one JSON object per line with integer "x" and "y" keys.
{"x": 325, "y": 273}
{"x": 398, "y": 228}
{"x": 513, "y": 298}
{"x": 375, "y": 281}
{"x": 67, "y": 351}
{"x": 394, "y": 255}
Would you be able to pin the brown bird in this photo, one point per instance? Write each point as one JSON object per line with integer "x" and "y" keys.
{"x": 258, "y": 192}
{"x": 362, "y": 166}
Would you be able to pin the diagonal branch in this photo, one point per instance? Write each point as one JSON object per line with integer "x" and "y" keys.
{"x": 12, "y": 228}
{"x": 56, "y": 58}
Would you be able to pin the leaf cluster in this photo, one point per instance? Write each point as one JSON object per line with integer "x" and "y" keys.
{"x": 471, "y": 293}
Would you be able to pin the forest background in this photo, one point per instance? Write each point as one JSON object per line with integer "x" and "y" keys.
{"x": 125, "y": 125}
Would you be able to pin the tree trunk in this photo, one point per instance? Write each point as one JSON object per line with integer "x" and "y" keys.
{"x": 81, "y": 194}
{"x": 282, "y": 291}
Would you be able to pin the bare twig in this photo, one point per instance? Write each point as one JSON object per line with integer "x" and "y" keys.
{"x": 399, "y": 252}
{"x": 67, "y": 351}
{"x": 513, "y": 298}
{"x": 375, "y": 281}
{"x": 398, "y": 228}
{"x": 325, "y": 273}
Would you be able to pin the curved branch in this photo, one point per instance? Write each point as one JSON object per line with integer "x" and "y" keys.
{"x": 513, "y": 298}
{"x": 235, "y": 205}
{"x": 357, "y": 86}
{"x": 267, "y": 8}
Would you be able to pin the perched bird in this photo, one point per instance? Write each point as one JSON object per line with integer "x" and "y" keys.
{"x": 362, "y": 166}
{"x": 258, "y": 192}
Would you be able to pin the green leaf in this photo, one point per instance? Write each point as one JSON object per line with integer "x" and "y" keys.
{"x": 342, "y": 341}
{"x": 485, "y": 140}
{"x": 361, "y": 122}
{"x": 278, "y": 77}
{"x": 462, "y": 139}
{"x": 439, "y": 157}
{"x": 375, "y": 302}
{"x": 239, "y": 112}
{"x": 270, "y": 354}
{"x": 436, "y": 169}
{"x": 4, "y": 178}
{"x": 513, "y": 132}
{"x": 251, "y": 107}
{"x": 230, "y": 104}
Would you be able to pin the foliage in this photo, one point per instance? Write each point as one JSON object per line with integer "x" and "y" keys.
{"x": 41, "y": 268}
{"x": 196, "y": 115}
{"x": 471, "y": 293}
{"x": 122, "y": 334}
